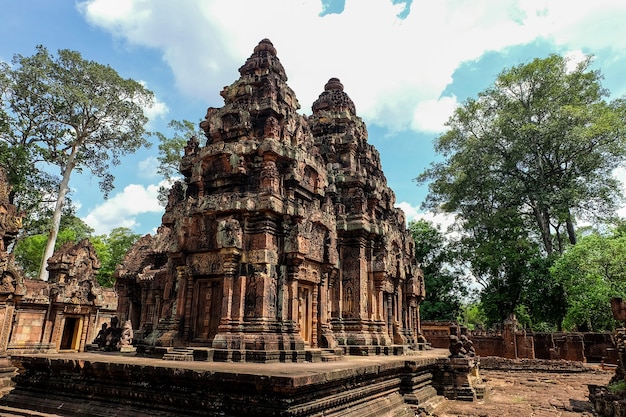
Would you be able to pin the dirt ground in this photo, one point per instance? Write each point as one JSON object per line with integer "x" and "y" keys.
{"x": 530, "y": 394}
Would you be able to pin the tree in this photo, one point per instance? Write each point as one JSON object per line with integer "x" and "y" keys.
{"x": 72, "y": 114}
{"x": 591, "y": 273}
{"x": 522, "y": 162}
{"x": 445, "y": 285}
{"x": 29, "y": 249}
{"x": 113, "y": 248}
{"x": 171, "y": 149}
{"x": 110, "y": 248}
{"x": 541, "y": 143}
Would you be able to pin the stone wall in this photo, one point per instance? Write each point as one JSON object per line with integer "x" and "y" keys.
{"x": 63, "y": 313}
{"x": 514, "y": 343}
{"x": 90, "y": 386}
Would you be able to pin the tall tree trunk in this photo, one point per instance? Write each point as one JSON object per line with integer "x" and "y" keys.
{"x": 56, "y": 216}
{"x": 571, "y": 232}
{"x": 544, "y": 226}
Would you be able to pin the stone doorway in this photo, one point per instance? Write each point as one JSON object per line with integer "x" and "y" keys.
{"x": 207, "y": 309}
{"x": 305, "y": 312}
{"x": 70, "y": 339}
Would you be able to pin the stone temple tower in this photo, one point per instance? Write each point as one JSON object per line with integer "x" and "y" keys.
{"x": 282, "y": 240}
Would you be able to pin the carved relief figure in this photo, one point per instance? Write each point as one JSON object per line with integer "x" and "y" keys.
{"x": 269, "y": 177}
{"x": 126, "y": 338}
{"x": 271, "y": 128}
{"x": 229, "y": 233}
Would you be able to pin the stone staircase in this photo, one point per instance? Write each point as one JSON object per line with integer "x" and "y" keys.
{"x": 332, "y": 355}
{"x": 179, "y": 354}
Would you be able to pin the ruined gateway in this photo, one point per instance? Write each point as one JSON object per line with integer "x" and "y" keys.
{"x": 282, "y": 240}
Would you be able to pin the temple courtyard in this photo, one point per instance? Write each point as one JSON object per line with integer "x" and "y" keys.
{"x": 532, "y": 394}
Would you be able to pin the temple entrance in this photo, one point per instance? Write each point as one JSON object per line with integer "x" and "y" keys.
{"x": 70, "y": 340}
{"x": 207, "y": 308}
{"x": 305, "y": 312}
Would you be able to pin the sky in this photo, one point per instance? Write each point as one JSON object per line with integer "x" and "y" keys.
{"x": 405, "y": 64}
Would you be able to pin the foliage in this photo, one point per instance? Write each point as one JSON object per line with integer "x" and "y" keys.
{"x": 171, "y": 149}
{"x": 114, "y": 248}
{"x": 591, "y": 272}
{"x": 472, "y": 316}
{"x": 68, "y": 113}
{"x": 522, "y": 162}
{"x": 617, "y": 387}
{"x": 543, "y": 297}
{"x": 110, "y": 249}
{"x": 445, "y": 287}
{"x": 29, "y": 249}
{"x": 28, "y": 252}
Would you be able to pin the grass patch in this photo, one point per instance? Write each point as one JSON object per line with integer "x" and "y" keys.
{"x": 618, "y": 387}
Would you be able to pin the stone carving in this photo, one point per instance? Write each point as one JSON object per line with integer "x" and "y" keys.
{"x": 112, "y": 335}
{"x": 468, "y": 346}
{"x": 72, "y": 269}
{"x": 100, "y": 339}
{"x": 126, "y": 338}
{"x": 272, "y": 128}
{"x": 229, "y": 234}
{"x": 456, "y": 347}
{"x": 192, "y": 146}
{"x": 272, "y": 246}
{"x": 270, "y": 177}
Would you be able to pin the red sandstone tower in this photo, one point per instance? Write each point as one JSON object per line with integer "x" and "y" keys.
{"x": 283, "y": 238}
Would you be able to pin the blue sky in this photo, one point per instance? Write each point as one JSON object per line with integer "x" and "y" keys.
{"x": 405, "y": 64}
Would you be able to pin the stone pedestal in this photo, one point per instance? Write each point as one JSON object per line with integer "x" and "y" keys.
{"x": 458, "y": 378}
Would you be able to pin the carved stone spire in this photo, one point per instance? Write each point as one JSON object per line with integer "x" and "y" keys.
{"x": 334, "y": 99}
{"x": 262, "y": 60}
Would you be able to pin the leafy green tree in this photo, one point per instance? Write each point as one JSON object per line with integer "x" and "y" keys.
{"x": 543, "y": 297}
{"x": 591, "y": 273}
{"x": 472, "y": 316}
{"x": 111, "y": 250}
{"x": 445, "y": 286}
{"x": 29, "y": 249}
{"x": 171, "y": 149}
{"x": 522, "y": 162}
{"x": 73, "y": 114}
{"x": 28, "y": 252}
{"x": 541, "y": 144}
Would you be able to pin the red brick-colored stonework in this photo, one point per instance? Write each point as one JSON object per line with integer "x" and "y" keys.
{"x": 282, "y": 239}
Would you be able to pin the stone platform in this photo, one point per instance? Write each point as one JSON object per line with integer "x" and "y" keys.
{"x": 112, "y": 384}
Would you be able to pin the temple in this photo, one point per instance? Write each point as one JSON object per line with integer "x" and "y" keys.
{"x": 282, "y": 241}
{"x": 58, "y": 315}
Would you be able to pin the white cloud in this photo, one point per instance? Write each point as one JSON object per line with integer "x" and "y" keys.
{"x": 392, "y": 68}
{"x": 148, "y": 167}
{"x": 158, "y": 109}
{"x": 123, "y": 208}
{"x": 443, "y": 221}
{"x": 431, "y": 115}
{"x": 410, "y": 212}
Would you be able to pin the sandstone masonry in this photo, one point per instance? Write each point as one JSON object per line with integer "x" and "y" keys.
{"x": 283, "y": 238}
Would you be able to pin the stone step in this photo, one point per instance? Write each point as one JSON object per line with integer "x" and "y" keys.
{"x": 179, "y": 354}
{"x": 431, "y": 404}
{"x": 331, "y": 355}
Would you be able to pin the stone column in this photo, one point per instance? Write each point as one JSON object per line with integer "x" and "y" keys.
{"x": 315, "y": 318}
{"x": 187, "y": 309}
{"x": 230, "y": 263}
